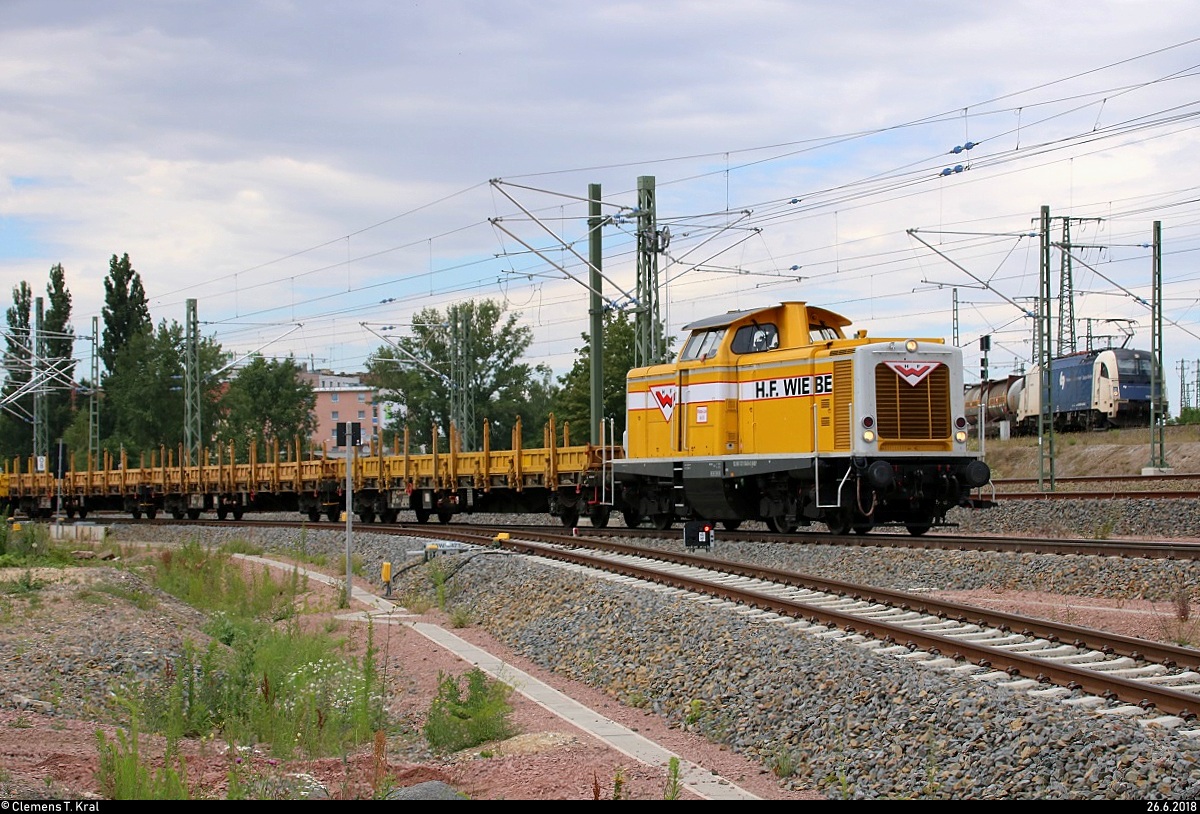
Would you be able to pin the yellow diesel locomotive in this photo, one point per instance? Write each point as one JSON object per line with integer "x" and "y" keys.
{"x": 776, "y": 415}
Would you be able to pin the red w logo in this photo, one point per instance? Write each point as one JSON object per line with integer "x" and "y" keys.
{"x": 913, "y": 372}
{"x": 664, "y": 396}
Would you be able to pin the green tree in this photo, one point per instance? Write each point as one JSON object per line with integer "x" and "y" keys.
{"x": 463, "y": 366}
{"x": 144, "y": 395}
{"x": 267, "y": 401}
{"x": 59, "y": 345}
{"x": 125, "y": 311}
{"x": 16, "y": 420}
{"x": 574, "y": 402}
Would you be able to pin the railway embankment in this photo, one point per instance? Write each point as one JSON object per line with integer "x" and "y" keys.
{"x": 820, "y": 713}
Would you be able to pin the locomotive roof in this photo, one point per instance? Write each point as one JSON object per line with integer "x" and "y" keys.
{"x": 816, "y": 316}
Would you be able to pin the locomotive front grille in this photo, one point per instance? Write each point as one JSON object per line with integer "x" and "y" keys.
{"x": 908, "y": 412}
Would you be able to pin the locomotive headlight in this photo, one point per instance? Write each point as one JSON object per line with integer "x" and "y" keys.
{"x": 868, "y": 434}
{"x": 911, "y": 346}
{"x": 961, "y": 436}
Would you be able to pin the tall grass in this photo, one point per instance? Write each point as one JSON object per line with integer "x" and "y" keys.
{"x": 261, "y": 680}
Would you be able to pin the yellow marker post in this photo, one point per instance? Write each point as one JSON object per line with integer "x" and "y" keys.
{"x": 386, "y": 576}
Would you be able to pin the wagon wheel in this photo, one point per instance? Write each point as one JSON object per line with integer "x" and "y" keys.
{"x": 917, "y": 529}
{"x": 314, "y": 515}
{"x": 422, "y": 515}
{"x": 599, "y": 517}
{"x": 731, "y": 525}
{"x": 632, "y": 519}
{"x": 663, "y": 521}
{"x": 863, "y": 528}
{"x": 444, "y": 516}
{"x": 838, "y": 522}
{"x": 569, "y": 517}
{"x": 193, "y": 514}
{"x": 780, "y": 524}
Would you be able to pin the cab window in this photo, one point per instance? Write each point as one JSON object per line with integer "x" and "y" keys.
{"x": 702, "y": 345}
{"x": 755, "y": 339}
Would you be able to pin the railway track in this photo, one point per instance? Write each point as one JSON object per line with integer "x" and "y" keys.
{"x": 1152, "y": 549}
{"x": 1098, "y": 670}
{"x": 1076, "y": 664}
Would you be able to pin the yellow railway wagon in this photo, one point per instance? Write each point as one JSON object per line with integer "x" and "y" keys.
{"x": 563, "y": 480}
{"x": 777, "y": 415}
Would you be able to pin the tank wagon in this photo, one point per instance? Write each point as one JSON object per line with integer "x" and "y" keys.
{"x": 777, "y": 415}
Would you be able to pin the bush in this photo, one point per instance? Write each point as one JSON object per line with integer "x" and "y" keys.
{"x": 454, "y": 723}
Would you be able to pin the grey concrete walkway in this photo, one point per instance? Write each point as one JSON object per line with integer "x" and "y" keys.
{"x": 696, "y": 779}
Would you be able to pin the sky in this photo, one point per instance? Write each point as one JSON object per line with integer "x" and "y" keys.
{"x": 314, "y": 175}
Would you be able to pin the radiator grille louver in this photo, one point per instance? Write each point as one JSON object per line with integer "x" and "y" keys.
{"x": 843, "y": 389}
{"x": 919, "y": 412}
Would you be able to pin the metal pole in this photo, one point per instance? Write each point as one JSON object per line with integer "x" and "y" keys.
{"x": 349, "y": 512}
{"x": 596, "y": 312}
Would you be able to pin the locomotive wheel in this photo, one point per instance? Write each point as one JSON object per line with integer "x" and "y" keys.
{"x": 569, "y": 517}
{"x": 632, "y": 519}
{"x": 917, "y": 529}
{"x": 599, "y": 517}
{"x": 780, "y": 524}
{"x": 662, "y": 522}
{"x": 731, "y": 525}
{"x": 838, "y": 523}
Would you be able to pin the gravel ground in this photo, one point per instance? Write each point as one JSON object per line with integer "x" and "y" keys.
{"x": 809, "y": 716}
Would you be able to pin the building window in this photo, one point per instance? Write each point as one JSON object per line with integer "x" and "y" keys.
{"x": 335, "y": 415}
{"x": 333, "y": 397}
{"x": 361, "y": 415}
{"x": 362, "y": 396}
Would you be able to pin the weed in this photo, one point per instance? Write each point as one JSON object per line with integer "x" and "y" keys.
{"x": 455, "y": 723}
{"x": 21, "y": 722}
{"x": 460, "y": 616}
{"x": 783, "y": 763}
{"x": 619, "y": 784}
{"x": 438, "y": 575}
{"x": 123, "y": 776}
{"x": 637, "y": 700}
{"x": 696, "y": 710}
{"x": 417, "y": 603}
{"x": 674, "y": 782}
